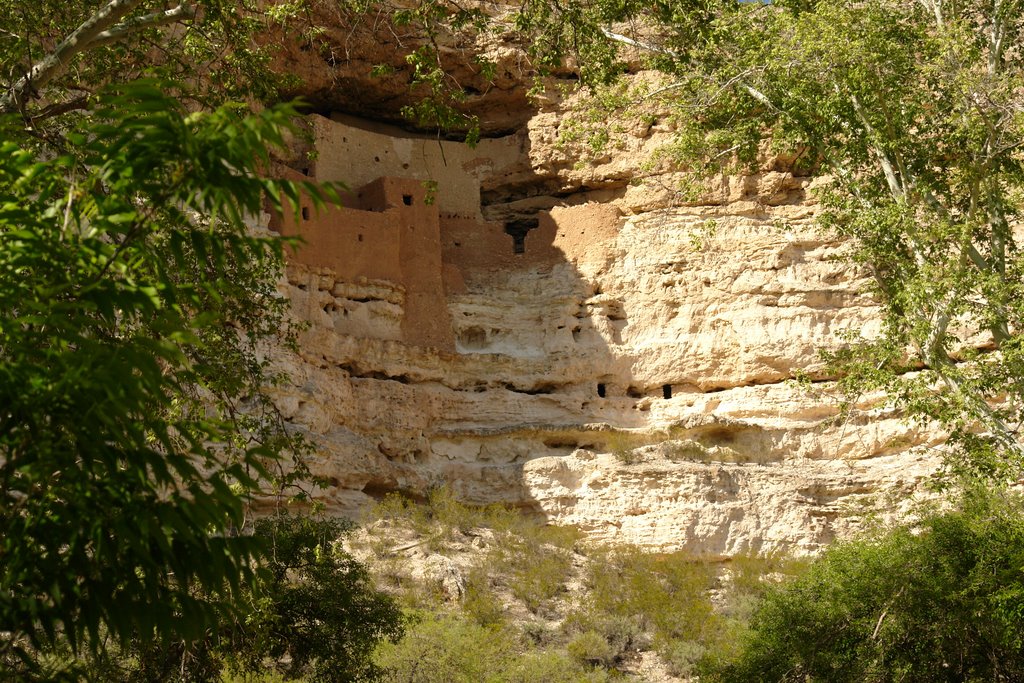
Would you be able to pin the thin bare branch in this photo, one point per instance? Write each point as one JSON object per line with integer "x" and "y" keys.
{"x": 53, "y": 64}
{"x": 619, "y": 38}
{"x": 125, "y": 28}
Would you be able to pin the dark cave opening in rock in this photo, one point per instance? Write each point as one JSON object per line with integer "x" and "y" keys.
{"x": 518, "y": 229}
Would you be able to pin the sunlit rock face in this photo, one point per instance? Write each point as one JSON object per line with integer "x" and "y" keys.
{"x": 532, "y": 327}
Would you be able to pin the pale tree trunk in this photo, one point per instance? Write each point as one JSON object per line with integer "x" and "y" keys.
{"x": 102, "y": 28}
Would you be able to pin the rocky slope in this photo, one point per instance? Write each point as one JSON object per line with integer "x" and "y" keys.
{"x": 526, "y": 324}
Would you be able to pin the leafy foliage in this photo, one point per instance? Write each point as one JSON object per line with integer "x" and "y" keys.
{"x": 310, "y": 614}
{"x": 134, "y": 421}
{"x": 132, "y": 38}
{"x": 315, "y": 607}
{"x": 447, "y": 649}
{"x": 942, "y": 602}
{"x": 639, "y": 599}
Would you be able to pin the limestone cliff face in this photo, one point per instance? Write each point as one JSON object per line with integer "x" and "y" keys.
{"x": 526, "y": 326}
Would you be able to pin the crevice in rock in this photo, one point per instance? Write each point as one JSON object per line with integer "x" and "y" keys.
{"x": 537, "y": 389}
{"x": 548, "y": 188}
{"x": 356, "y": 373}
{"x": 364, "y": 299}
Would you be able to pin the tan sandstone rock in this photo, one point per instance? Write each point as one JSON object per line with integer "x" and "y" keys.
{"x": 528, "y": 330}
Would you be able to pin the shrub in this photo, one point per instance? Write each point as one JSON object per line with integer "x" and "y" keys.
{"x": 315, "y": 612}
{"x": 538, "y": 572}
{"x": 480, "y": 602}
{"x": 552, "y": 667}
{"x": 622, "y": 634}
{"x": 623, "y": 445}
{"x": 591, "y": 647}
{"x": 943, "y": 601}
{"x": 668, "y": 592}
{"x": 445, "y": 649}
{"x": 682, "y": 656}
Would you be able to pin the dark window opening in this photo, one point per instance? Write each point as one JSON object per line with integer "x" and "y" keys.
{"x": 304, "y": 170}
{"x": 601, "y": 390}
{"x": 518, "y": 230}
{"x": 407, "y": 199}
{"x": 666, "y": 390}
{"x": 360, "y": 237}
{"x": 305, "y": 213}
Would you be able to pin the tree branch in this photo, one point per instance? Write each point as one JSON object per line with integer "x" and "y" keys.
{"x": 58, "y": 108}
{"x": 897, "y": 189}
{"x": 116, "y": 33}
{"x": 53, "y": 64}
{"x": 619, "y": 38}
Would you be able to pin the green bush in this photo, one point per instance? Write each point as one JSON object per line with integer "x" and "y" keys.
{"x": 622, "y": 635}
{"x": 682, "y": 657}
{"x": 315, "y": 612}
{"x": 538, "y": 572}
{"x": 668, "y": 592}
{"x": 480, "y": 602}
{"x": 311, "y": 614}
{"x": 445, "y": 649}
{"x": 943, "y": 601}
{"x": 591, "y": 647}
{"x": 552, "y": 667}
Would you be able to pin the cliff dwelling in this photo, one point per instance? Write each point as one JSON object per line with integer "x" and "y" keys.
{"x": 428, "y": 243}
{"x": 494, "y": 320}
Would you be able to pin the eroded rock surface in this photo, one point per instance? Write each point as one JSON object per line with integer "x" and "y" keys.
{"x": 529, "y": 328}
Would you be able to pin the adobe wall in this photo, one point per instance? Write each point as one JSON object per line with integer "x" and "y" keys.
{"x": 355, "y": 242}
{"x": 479, "y": 249}
{"x": 356, "y": 153}
{"x": 387, "y": 231}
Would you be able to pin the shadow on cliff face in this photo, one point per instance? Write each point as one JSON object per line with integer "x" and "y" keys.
{"x": 476, "y": 322}
{"x": 450, "y": 343}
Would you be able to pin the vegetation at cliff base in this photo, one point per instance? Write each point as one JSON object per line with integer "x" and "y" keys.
{"x": 498, "y": 596}
{"x": 942, "y": 600}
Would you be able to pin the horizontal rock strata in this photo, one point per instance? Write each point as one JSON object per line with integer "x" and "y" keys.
{"x": 565, "y": 338}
